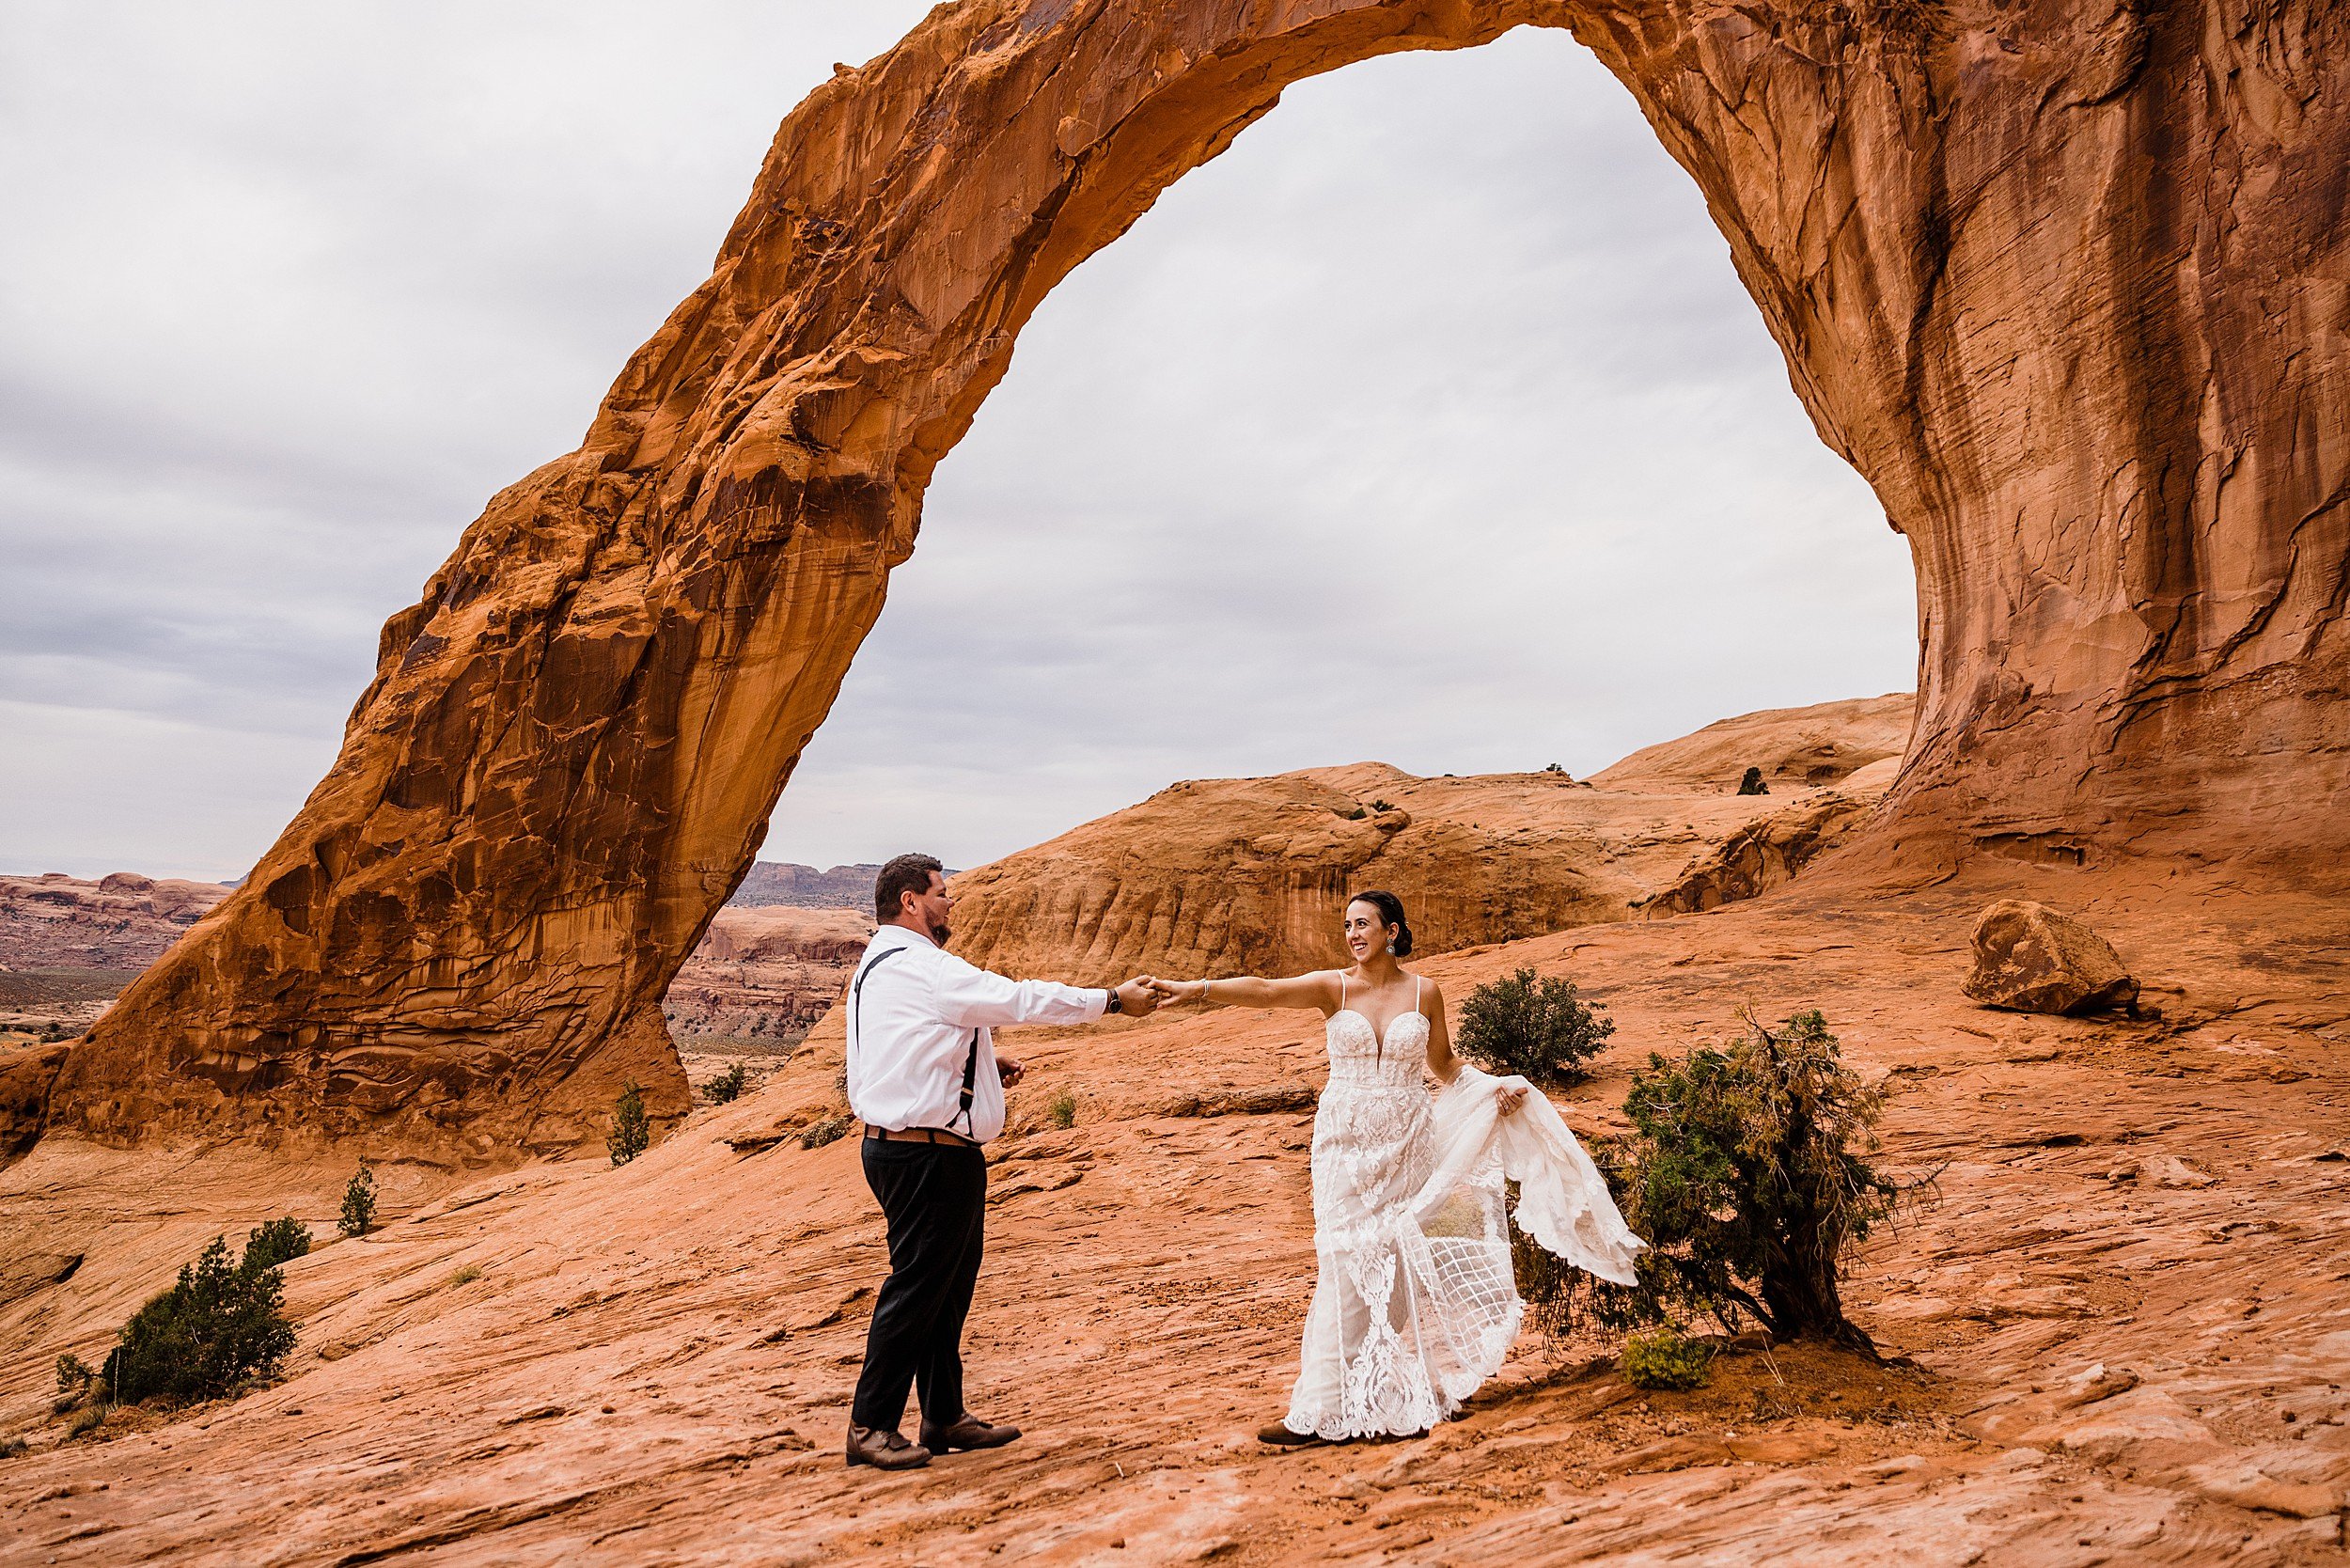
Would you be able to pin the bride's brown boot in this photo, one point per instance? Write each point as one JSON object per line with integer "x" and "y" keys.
{"x": 1280, "y": 1437}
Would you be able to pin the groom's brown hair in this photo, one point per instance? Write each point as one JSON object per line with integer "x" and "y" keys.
{"x": 907, "y": 873}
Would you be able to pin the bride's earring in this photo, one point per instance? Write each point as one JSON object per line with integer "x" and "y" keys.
{"x": 1390, "y": 950}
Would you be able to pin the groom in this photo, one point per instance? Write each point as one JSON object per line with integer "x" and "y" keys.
{"x": 925, "y": 1080}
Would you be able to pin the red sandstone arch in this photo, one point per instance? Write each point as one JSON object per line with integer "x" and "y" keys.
{"x": 2065, "y": 281}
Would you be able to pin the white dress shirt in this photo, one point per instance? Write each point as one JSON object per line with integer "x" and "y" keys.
{"x": 910, "y": 1033}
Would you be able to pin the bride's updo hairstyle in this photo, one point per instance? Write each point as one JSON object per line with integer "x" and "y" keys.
{"x": 1390, "y": 914}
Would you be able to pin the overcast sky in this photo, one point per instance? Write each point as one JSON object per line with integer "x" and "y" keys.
{"x": 1429, "y": 424}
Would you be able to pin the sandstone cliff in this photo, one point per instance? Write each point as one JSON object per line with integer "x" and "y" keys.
{"x": 2065, "y": 282}
{"x": 1819, "y": 745}
{"x": 1248, "y": 875}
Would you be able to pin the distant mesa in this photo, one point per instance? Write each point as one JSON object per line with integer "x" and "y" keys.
{"x": 761, "y": 979}
{"x": 122, "y": 921}
{"x": 780, "y": 881}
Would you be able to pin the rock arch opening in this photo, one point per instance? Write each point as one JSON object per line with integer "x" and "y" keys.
{"x": 1446, "y": 353}
{"x": 2063, "y": 284}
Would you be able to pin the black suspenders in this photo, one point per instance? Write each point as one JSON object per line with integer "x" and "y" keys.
{"x": 970, "y": 1061}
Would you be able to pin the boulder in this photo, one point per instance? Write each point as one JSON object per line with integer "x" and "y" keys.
{"x": 2031, "y": 959}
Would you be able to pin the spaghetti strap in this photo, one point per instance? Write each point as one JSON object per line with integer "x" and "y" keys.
{"x": 1417, "y": 982}
{"x": 1341, "y": 991}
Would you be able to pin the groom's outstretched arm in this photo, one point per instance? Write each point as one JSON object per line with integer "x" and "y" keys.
{"x": 971, "y": 997}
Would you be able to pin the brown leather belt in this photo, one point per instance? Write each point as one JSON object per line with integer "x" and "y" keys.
{"x": 920, "y": 1134}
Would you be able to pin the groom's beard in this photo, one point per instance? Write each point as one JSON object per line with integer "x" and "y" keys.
{"x": 939, "y": 934}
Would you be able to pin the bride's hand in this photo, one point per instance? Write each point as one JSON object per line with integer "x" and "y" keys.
{"x": 1509, "y": 1097}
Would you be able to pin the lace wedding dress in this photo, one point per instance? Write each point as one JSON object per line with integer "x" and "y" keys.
{"x": 1415, "y": 1305}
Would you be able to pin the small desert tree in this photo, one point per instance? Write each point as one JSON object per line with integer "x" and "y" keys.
{"x": 275, "y": 1241}
{"x": 1540, "y": 1028}
{"x": 727, "y": 1086}
{"x": 630, "y": 1133}
{"x": 1749, "y": 1170}
{"x": 358, "y": 1215}
{"x": 221, "y": 1326}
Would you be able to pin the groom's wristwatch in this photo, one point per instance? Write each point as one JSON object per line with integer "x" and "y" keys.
{"x": 1114, "y": 1005}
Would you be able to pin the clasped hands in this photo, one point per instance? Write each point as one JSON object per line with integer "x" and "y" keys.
{"x": 1145, "y": 993}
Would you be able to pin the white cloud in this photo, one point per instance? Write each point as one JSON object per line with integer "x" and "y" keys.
{"x": 1429, "y": 423}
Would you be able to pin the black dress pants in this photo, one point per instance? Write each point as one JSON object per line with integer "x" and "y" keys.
{"x": 934, "y": 1197}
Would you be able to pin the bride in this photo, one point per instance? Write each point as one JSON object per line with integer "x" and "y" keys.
{"x": 1415, "y": 1304}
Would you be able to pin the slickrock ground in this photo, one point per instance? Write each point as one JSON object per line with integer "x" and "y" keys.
{"x": 2128, "y": 1309}
{"x": 1240, "y": 874}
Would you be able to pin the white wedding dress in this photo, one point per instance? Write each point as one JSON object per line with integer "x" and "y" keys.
{"x": 1415, "y": 1305}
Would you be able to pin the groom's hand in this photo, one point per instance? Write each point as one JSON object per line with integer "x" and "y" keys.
{"x": 1138, "y": 997}
{"x": 1010, "y": 1070}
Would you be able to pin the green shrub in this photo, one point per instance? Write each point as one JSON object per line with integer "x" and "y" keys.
{"x": 12, "y": 1447}
{"x": 630, "y": 1133}
{"x": 727, "y": 1086}
{"x": 1749, "y": 1170}
{"x": 1661, "y": 1357}
{"x": 1061, "y": 1109}
{"x": 88, "y": 1421}
{"x": 219, "y": 1328}
{"x": 1541, "y": 1029}
{"x": 74, "y": 1377}
{"x": 275, "y": 1241}
{"x": 1382, "y": 805}
{"x": 358, "y": 1217}
{"x": 827, "y": 1130}
{"x": 466, "y": 1274}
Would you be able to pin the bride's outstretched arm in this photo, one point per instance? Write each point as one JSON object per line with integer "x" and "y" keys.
{"x": 1318, "y": 991}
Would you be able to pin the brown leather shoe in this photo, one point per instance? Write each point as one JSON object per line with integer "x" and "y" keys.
{"x": 1280, "y": 1437}
{"x": 884, "y": 1450}
{"x": 968, "y": 1431}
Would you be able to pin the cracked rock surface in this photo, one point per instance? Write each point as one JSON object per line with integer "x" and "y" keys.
{"x": 654, "y": 1362}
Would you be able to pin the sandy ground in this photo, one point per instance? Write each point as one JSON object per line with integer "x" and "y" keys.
{"x": 2127, "y": 1313}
